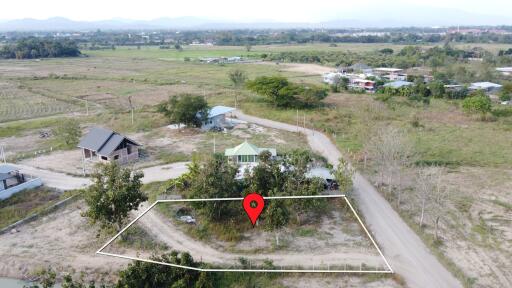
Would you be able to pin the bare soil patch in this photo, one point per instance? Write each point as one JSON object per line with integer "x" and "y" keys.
{"x": 63, "y": 240}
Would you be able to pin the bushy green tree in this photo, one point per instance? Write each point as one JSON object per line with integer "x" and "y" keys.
{"x": 115, "y": 191}
{"x": 506, "y": 92}
{"x": 275, "y": 88}
{"x": 185, "y": 109}
{"x": 143, "y": 274}
{"x": 478, "y": 103}
{"x": 216, "y": 179}
{"x": 68, "y": 132}
{"x": 276, "y": 214}
{"x": 343, "y": 175}
{"x": 437, "y": 89}
{"x": 282, "y": 93}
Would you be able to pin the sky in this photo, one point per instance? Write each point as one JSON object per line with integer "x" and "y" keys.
{"x": 233, "y": 10}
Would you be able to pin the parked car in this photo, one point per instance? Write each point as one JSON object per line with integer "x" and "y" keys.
{"x": 188, "y": 219}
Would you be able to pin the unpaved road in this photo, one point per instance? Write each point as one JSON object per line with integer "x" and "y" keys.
{"x": 68, "y": 182}
{"x": 166, "y": 231}
{"x": 405, "y": 251}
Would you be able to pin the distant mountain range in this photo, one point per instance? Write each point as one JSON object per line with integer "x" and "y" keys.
{"x": 383, "y": 16}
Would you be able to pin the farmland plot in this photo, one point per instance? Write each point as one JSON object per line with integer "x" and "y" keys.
{"x": 20, "y": 103}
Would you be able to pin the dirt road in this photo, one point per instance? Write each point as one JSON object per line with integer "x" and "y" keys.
{"x": 63, "y": 181}
{"x": 405, "y": 251}
{"x": 166, "y": 231}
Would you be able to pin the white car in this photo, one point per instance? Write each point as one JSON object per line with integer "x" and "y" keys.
{"x": 188, "y": 219}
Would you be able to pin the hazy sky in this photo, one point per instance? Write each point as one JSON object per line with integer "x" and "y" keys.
{"x": 261, "y": 10}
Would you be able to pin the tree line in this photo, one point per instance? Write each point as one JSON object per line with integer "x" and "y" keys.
{"x": 32, "y": 48}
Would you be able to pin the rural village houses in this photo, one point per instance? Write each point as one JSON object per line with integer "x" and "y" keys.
{"x": 106, "y": 145}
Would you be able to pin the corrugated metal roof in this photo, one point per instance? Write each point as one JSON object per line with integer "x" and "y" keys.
{"x": 95, "y": 139}
{"x": 321, "y": 172}
{"x": 7, "y": 168}
{"x": 485, "y": 85}
{"x": 398, "y": 84}
{"x": 103, "y": 141}
{"x": 219, "y": 110}
{"x": 111, "y": 145}
{"x": 247, "y": 148}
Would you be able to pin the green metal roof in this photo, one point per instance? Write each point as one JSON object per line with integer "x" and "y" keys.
{"x": 247, "y": 148}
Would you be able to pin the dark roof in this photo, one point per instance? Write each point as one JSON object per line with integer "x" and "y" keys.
{"x": 103, "y": 141}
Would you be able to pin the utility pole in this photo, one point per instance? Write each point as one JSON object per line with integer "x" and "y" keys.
{"x": 87, "y": 107}
{"x": 83, "y": 162}
{"x": 214, "y": 148}
{"x": 3, "y": 153}
{"x": 297, "y": 120}
{"x": 236, "y": 100}
{"x": 131, "y": 106}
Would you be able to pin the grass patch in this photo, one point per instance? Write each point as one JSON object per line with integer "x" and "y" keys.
{"x": 28, "y": 202}
{"x": 17, "y": 128}
{"x": 506, "y": 205}
{"x": 172, "y": 157}
{"x": 305, "y": 232}
{"x": 136, "y": 237}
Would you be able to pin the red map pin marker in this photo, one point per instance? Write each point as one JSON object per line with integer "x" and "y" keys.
{"x": 254, "y": 210}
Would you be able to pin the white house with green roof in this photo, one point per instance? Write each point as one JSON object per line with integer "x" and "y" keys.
{"x": 246, "y": 153}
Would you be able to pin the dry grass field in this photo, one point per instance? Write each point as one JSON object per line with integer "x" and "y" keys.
{"x": 477, "y": 155}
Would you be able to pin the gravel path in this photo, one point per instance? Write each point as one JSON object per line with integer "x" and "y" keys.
{"x": 68, "y": 182}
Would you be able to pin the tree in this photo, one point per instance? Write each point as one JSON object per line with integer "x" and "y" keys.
{"x": 114, "y": 193}
{"x": 216, "y": 179}
{"x": 205, "y": 280}
{"x": 237, "y": 77}
{"x": 276, "y": 214}
{"x": 185, "y": 109}
{"x": 477, "y": 103}
{"x": 68, "y": 132}
{"x": 392, "y": 153}
{"x": 387, "y": 51}
{"x": 178, "y": 47}
{"x": 46, "y": 278}
{"x": 343, "y": 174}
{"x": 143, "y": 274}
{"x": 430, "y": 194}
{"x": 282, "y": 93}
{"x": 437, "y": 89}
{"x": 506, "y": 92}
{"x": 275, "y": 88}
{"x": 248, "y": 47}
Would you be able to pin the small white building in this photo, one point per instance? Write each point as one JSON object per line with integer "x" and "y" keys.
{"x": 488, "y": 87}
{"x": 398, "y": 84}
{"x": 507, "y": 71}
{"x": 217, "y": 118}
{"x": 392, "y": 74}
{"x": 247, "y": 153}
{"x": 13, "y": 181}
{"x": 331, "y": 77}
